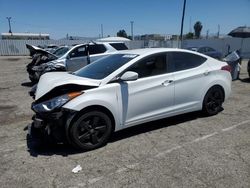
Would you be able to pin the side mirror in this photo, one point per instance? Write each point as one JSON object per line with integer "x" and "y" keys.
{"x": 129, "y": 76}
{"x": 67, "y": 57}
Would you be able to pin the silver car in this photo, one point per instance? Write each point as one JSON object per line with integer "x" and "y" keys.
{"x": 77, "y": 57}
{"x": 82, "y": 54}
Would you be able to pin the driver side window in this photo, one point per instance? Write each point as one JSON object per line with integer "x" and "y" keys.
{"x": 150, "y": 66}
{"x": 78, "y": 52}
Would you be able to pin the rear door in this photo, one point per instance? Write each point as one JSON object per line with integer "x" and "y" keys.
{"x": 190, "y": 77}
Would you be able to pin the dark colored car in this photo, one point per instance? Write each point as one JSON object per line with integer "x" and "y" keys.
{"x": 207, "y": 51}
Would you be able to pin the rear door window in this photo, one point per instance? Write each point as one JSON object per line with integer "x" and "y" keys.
{"x": 97, "y": 49}
{"x": 119, "y": 46}
{"x": 178, "y": 61}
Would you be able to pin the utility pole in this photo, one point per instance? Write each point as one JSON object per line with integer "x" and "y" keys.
{"x": 182, "y": 21}
{"x": 218, "y": 34}
{"x": 102, "y": 30}
{"x": 132, "y": 29}
{"x": 207, "y": 34}
{"x": 9, "y": 18}
{"x": 190, "y": 22}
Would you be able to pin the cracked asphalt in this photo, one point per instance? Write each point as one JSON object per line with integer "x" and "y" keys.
{"x": 184, "y": 151}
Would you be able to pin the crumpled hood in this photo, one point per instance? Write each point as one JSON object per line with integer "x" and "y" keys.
{"x": 51, "y": 80}
{"x": 34, "y": 49}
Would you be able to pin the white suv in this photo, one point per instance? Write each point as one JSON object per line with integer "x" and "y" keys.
{"x": 77, "y": 57}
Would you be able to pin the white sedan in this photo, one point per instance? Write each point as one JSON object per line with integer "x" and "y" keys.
{"x": 125, "y": 89}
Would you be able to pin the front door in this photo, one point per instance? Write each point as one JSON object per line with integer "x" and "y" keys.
{"x": 149, "y": 97}
{"x": 76, "y": 59}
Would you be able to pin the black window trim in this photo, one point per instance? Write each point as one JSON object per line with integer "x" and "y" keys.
{"x": 171, "y": 66}
{"x": 149, "y": 56}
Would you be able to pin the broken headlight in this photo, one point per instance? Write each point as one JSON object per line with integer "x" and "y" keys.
{"x": 54, "y": 67}
{"x": 55, "y": 103}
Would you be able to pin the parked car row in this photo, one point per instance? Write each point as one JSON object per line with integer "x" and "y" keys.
{"x": 207, "y": 51}
{"x": 124, "y": 89}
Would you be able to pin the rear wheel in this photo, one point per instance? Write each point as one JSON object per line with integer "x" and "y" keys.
{"x": 212, "y": 103}
{"x": 91, "y": 130}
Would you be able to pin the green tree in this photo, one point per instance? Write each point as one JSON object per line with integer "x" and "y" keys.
{"x": 122, "y": 33}
{"x": 189, "y": 35}
{"x": 197, "y": 29}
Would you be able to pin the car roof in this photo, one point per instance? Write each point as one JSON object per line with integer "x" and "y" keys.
{"x": 148, "y": 51}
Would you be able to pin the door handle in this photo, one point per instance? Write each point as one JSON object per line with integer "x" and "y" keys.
{"x": 167, "y": 82}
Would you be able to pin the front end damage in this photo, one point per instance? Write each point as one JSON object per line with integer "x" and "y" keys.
{"x": 37, "y": 71}
{"x": 48, "y": 128}
{"x": 51, "y": 119}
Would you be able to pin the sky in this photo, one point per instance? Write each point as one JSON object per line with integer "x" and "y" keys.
{"x": 85, "y": 17}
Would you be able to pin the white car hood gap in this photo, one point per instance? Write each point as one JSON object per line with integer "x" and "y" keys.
{"x": 51, "y": 80}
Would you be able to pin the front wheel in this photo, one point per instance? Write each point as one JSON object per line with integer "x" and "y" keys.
{"x": 212, "y": 103}
{"x": 91, "y": 130}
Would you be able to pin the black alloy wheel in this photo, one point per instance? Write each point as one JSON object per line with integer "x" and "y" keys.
{"x": 91, "y": 130}
{"x": 213, "y": 100}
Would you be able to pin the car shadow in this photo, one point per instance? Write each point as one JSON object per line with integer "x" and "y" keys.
{"x": 245, "y": 80}
{"x": 155, "y": 125}
{"x": 27, "y": 84}
{"x": 65, "y": 149}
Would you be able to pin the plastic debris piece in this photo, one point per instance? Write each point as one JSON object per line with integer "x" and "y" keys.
{"x": 77, "y": 169}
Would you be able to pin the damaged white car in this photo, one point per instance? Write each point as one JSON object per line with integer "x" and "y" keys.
{"x": 75, "y": 58}
{"x": 125, "y": 89}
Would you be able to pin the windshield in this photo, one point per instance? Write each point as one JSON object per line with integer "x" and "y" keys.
{"x": 104, "y": 66}
{"x": 61, "y": 51}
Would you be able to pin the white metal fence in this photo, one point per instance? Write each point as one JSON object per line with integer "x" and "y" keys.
{"x": 223, "y": 45}
{"x": 18, "y": 47}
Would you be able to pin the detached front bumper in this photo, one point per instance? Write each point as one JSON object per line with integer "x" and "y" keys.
{"x": 52, "y": 124}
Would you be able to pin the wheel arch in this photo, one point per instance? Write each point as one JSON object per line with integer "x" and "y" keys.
{"x": 91, "y": 108}
{"x": 212, "y": 86}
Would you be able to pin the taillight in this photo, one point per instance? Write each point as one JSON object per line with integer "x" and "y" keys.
{"x": 226, "y": 68}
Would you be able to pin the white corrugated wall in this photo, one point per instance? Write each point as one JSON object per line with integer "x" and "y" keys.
{"x": 18, "y": 47}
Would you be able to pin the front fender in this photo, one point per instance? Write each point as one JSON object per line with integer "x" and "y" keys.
{"x": 105, "y": 96}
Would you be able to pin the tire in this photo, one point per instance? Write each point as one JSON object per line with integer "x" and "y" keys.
{"x": 212, "y": 103}
{"x": 91, "y": 130}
